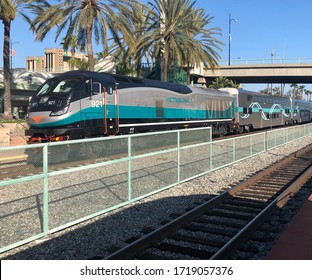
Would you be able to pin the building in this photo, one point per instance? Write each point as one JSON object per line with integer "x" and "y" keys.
{"x": 54, "y": 61}
{"x": 35, "y": 63}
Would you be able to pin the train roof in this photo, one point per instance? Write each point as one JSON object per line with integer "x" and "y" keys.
{"x": 127, "y": 81}
{"x": 244, "y": 91}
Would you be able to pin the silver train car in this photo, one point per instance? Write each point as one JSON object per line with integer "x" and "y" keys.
{"x": 81, "y": 104}
{"x": 255, "y": 110}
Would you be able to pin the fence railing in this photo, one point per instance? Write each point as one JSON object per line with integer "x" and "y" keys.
{"x": 103, "y": 174}
{"x": 275, "y": 60}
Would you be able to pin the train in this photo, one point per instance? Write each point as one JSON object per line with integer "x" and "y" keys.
{"x": 256, "y": 110}
{"x": 85, "y": 104}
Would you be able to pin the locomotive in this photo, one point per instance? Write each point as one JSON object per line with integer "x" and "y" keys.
{"x": 82, "y": 104}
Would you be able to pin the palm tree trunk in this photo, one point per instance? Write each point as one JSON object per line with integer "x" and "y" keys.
{"x": 7, "y": 114}
{"x": 166, "y": 63}
{"x": 138, "y": 66}
{"x": 89, "y": 48}
{"x": 188, "y": 73}
{"x": 73, "y": 54}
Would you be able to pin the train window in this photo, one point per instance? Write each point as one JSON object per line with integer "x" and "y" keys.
{"x": 96, "y": 88}
{"x": 268, "y": 116}
{"x": 59, "y": 86}
{"x": 44, "y": 89}
{"x": 109, "y": 90}
{"x": 249, "y": 110}
{"x": 249, "y": 97}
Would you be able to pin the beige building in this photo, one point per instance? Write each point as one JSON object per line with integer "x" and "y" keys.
{"x": 54, "y": 61}
{"x": 35, "y": 63}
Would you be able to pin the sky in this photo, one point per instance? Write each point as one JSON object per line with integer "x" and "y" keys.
{"x": 263, "y": 27}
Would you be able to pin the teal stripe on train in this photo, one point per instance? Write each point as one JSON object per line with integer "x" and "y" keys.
{"x": 137, "y": 112}
{"x": 265, "y": 110}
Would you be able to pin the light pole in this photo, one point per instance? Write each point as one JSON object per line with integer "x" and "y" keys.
{"x": 230, "y": 21}
{"x": 11, "y": 52}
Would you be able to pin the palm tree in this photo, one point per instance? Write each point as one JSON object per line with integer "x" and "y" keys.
{"x": 200, "y": 45}
{"x": 88, "y": 20}
{"x": 71, "y": 42}
{"x": 177, "y": 27}
{"x": 9, "y": 10}
{"x": 296, "y": 91}
{"x": 134, "y": 24}
{"x": 223, "y": 82}
{"x": 277, "y": 91}
{"x": 301, "y": 91}
{"x": 124, "y": 66}
{"x": 293, "y": 89}
{"x": 308, "y": 93}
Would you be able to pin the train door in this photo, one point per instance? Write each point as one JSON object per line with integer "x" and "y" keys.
{"x": 91, "y": 104}
{"x": 291, "y": 110}
{"x": 111, "y": 109}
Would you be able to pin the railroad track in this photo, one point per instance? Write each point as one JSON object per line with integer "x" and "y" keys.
{"x": 11, "y": 171}
{"x": 217, "y": 228}
{"x": 17, "y": 168}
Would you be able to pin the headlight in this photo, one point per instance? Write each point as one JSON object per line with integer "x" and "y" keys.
{"x": 60, "y": 112}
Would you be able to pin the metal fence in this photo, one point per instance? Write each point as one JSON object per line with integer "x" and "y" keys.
{"x": 275, "y": 60}
{"x": 103, "y": 174}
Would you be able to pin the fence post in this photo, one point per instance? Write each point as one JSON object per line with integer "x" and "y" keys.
{"x": 234, "y": 147}
{"x": 129, "y": 168}
{"x": 45, "y": 190}
{"x": 210, "y": 151}
{"x": 179, "y": 156}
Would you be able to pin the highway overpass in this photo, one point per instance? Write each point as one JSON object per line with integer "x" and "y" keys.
{"x": 283, "y": 72}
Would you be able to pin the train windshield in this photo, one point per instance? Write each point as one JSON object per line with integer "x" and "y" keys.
{"x": 59, "y": 86}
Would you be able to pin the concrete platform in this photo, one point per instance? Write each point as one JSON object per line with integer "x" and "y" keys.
{"x": 12, "y": 156}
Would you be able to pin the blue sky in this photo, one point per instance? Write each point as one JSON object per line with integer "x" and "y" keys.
{"x": 281, "y": 26}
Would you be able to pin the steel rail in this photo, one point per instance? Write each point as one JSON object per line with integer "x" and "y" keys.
{"x": 139, "y": 246}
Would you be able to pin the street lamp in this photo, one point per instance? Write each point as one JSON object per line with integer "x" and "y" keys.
{"x": 11, "y": 52}
{"x": 230, "y": 21}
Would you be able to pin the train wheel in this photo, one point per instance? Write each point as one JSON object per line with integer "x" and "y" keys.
{"x": 240, "y": 129}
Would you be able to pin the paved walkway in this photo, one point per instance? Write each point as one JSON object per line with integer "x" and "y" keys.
{"x": 295, "y": 242}
{"x": 12, "y": 156}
